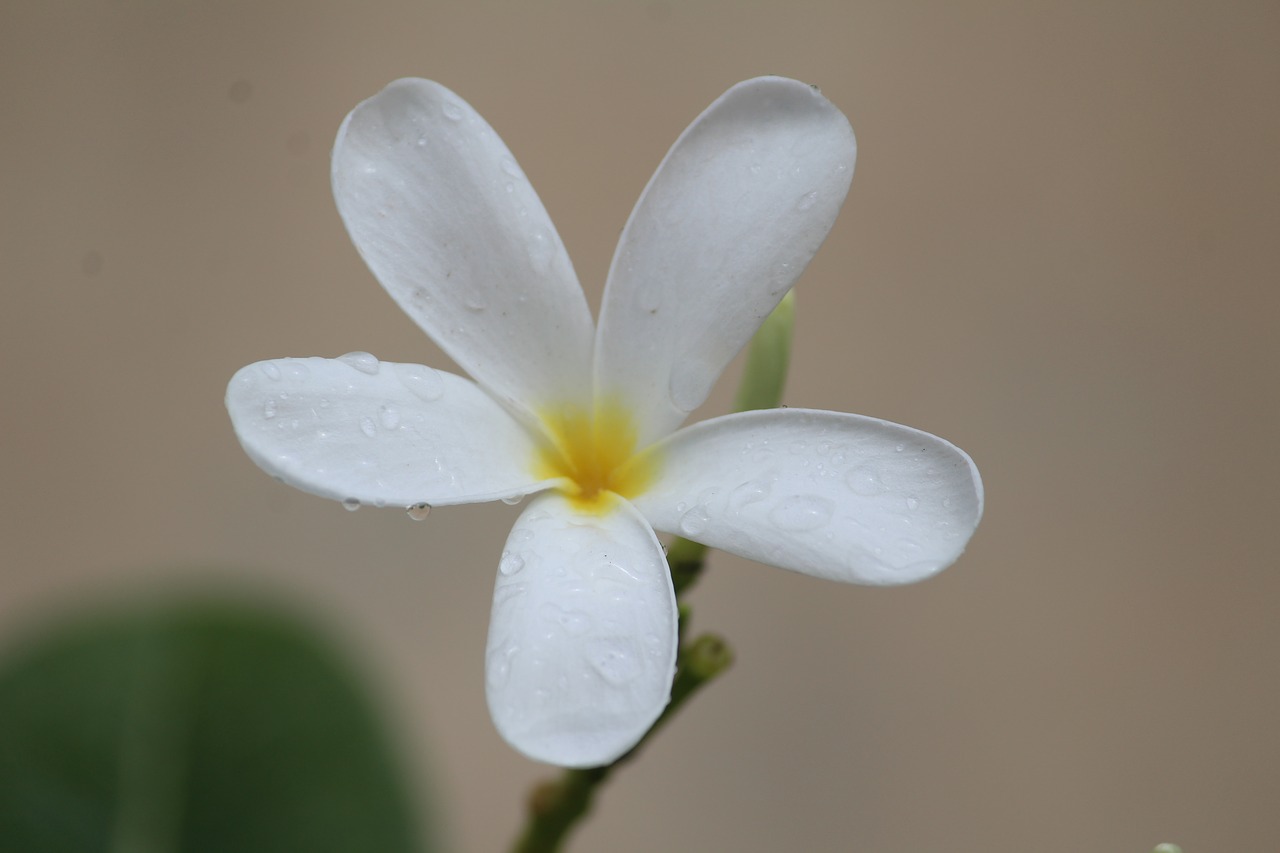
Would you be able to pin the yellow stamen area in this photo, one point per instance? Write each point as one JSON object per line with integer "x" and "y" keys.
{"x": 595, "y": 452}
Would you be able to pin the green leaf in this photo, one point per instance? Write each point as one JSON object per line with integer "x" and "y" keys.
{"x": 194, "y": 728}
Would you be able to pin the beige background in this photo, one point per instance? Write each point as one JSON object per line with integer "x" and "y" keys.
{"x": 1059, "y": 252}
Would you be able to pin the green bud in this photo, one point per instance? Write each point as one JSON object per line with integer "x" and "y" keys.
{"x": 767, "y": 358}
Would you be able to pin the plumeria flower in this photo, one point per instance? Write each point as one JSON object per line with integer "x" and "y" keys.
{"x": 582, "y": 637}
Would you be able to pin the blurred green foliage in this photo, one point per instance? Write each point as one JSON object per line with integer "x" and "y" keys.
{"x": 196, "y": 727}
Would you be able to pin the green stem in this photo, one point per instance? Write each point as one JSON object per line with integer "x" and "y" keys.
{"x": 557, "y": 804}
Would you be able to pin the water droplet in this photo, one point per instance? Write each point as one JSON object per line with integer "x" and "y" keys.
{"x": 521, "y": 535}
{"x": 802, "y": 512}
{"x": 807, "y": 200}
{"x": 498, "y": 665}
{"x": 749, "y": 493}
{"x": 425, "y": 384}
{"x": 361, "y": 361}
{"x": 687, "y": 386}
{"x": 694, "y": 521}
{"x": 864, "y": 480}
{"x": 389, "y": 415}
{"x": 913, "y": 503}
{"x": 367, "y": 426}
{"x": 422, "y": 141}
{"x": 510, "y": 166}
{"x": 574, "y": 622}
{"x": 510, "y": 563}
{"x": 269, "y": 409}
{"x": 473, "y": 303}
{"x": 946, "y": 502}
{"x": 418, "y": 512}
{"x": 614, "y": 661}
{"x": 900, "y": 448}
{"x": 541, "y": 249}
{"x": 272, "y": 370}
{"x": 451, "y": 111}
{"x": 512, "y": 500}
{"x": 351, "y": 504}
{"x": 754, "y": 167}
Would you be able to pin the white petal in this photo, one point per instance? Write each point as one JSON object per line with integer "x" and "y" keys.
{"x": 729, "y": 221}
{"x": 843, "y": 497}
{"x": 378, "y": 432}
{"x": 582, "y": 642}
{"x": 449, "y": 224}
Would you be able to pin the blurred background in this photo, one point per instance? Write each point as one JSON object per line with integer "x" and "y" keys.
{"x": 1059, "y": 252}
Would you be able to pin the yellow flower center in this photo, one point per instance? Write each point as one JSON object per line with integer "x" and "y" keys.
{"x": 595, "y": 452}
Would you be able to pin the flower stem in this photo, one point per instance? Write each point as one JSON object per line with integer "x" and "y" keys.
{"x": 556, "y": 805}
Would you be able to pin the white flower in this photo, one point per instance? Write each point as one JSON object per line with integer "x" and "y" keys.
{"x": 582, "y": 637}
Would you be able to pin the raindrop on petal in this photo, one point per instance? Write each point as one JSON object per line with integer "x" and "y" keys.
{"x": 351, "y": 504}
{"x": 389, "y": 415}
{"x": 614, "y": 661}
{"x": 802, "y": 512}
{"x": 541, "y": 249}
{"x": 498, "y": 668}
{"x": 864, "y": 480}
{"x": 296, "y": 369}
{"x": 368, "y": 427}
{"x": 361, "y": 361}
{"x": 423, "y": 382}
{"x": 574, "y": 622}
{"x": 510, "y": 563}
{"x": 419, "y": 512}
{"x": 749, "y": 493}
{"x": 694, "y": 521}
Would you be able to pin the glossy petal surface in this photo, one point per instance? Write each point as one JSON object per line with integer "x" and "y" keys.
{"x": 729, "y": 221}
{"x": 837, "y": 496}
{"x": 449, "y": 224}
{"x": 379, "y": 432}
{"x": 582, "y": 640}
